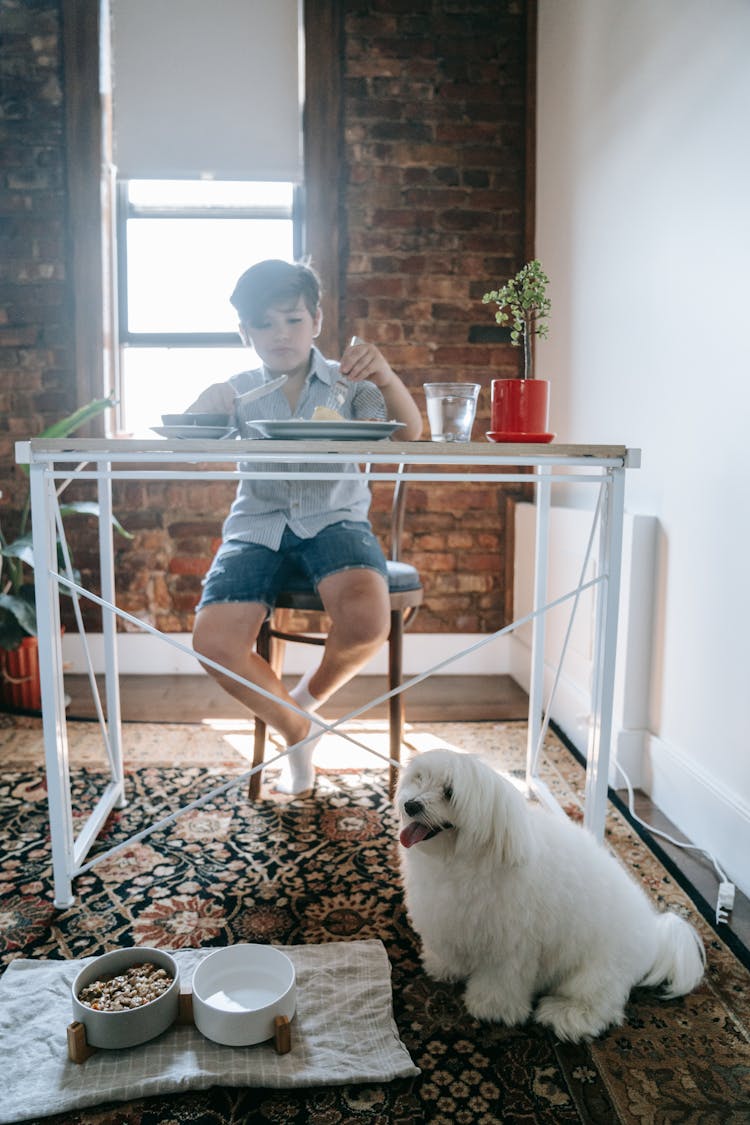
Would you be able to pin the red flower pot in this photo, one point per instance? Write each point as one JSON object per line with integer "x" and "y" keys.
{"x": 19, "y": 676}
{"x": 520, "y": 410}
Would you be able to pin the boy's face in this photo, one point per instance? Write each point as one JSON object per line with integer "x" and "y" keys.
{"x": 284, "y": 337}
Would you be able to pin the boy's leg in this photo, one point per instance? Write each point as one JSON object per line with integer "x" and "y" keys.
{"x": 345, "y": 563}
{"x": 226, "y": 633}
{"x": 357, "y": 602}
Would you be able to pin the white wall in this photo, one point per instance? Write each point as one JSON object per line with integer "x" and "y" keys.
{"x": 643, "y": 225}
{"x": 569, "y": 630}
{"x": 143, "y": 654}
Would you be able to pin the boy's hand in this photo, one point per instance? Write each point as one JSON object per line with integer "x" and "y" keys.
{"x": 364, "y": 361}
{"x": 216, "y": 399}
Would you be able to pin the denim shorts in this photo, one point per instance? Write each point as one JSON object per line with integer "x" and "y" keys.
{"x": 249, "y": 572}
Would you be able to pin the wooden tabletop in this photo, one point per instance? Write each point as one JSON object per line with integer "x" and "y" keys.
{"x": 171, "y": 449}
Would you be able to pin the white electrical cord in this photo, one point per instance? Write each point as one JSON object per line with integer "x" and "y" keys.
{"x": 725, "y": 898}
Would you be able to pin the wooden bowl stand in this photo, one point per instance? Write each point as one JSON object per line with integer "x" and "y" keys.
{"x": 79, "y": 1049}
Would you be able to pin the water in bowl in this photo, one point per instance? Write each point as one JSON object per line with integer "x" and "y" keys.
{"x": 243, "y": 998}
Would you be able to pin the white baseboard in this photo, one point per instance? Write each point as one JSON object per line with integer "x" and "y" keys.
{"x": 571, "y": 705}
{"x": 706, "y": 812}
{"x": 709, "y": 815}
{"x": 629, "y": 752}
{"x": 144, "y": 654}
{"x": 570, "y": 712}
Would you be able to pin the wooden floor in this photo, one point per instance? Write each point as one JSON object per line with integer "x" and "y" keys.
{"x": 189, "y": 699}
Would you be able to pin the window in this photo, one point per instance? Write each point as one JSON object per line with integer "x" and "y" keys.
{"x": 181, "y": 247}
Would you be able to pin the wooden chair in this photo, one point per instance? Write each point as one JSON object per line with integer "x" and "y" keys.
{"x": 406, "y": 596}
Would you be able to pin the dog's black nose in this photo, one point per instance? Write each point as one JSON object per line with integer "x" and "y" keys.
{"x": 413, "y": 808}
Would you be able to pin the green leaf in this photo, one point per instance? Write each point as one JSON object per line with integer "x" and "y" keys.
{"x": 11, "y": 633}
{"x": 23, "y": 547}
{"x": 523, "y": 301}
{"x": 74, "y": 421}
{"x": 79, "y": 418}
{"x": 17, "y": 602}
{"x": 91, "y": 508}
{"x": 23, "y": 613}
{"x": 20, "y": 548}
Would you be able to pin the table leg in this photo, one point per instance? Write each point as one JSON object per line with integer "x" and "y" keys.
{"x": 109, "y": 633}
{"x": 541, "y": 566}
{"x": 44, "y": 532}
{"x": 605, "y": 648}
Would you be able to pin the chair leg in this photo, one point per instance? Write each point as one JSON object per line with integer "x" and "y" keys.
{"x": 263, "y": 647}
{"x": 396, "y": 702}
{"x": 259, "y": 753}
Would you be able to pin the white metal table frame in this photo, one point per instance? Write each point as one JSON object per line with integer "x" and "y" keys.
{"x": 598, "y": 468}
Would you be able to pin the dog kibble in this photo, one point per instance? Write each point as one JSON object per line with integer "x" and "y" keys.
{"x": 137, "y": 985}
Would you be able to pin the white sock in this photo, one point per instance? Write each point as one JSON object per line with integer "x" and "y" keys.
{"x": 300, "y": 693}
{"x": 297, "y": 769}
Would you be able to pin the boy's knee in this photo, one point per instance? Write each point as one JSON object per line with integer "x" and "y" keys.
{"x": 368, "y": 626}
{"x": 207, "y": 642}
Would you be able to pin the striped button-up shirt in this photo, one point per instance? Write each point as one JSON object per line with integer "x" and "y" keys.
{"x": 263, "y": 509}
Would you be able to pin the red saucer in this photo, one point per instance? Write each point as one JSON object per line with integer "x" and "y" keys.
{"x": 498, "y": 435}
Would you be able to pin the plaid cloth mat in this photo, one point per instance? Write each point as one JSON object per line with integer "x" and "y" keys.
{"x": 343, "y": 1032}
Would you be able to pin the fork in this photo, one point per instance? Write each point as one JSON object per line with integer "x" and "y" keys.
{"x": 340, "y": 388}
{"x": 338, "y": 393}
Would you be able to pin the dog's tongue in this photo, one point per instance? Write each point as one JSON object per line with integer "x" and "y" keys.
{"x": 413, "y": 833}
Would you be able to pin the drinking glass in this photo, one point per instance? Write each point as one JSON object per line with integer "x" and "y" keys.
{"x": 451, "y": 409}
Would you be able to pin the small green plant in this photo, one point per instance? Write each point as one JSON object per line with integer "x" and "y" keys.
{"x": 17, "y": 600}
{"x": 523, "y": 302}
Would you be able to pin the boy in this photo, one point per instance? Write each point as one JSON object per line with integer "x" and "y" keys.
{"x": 276, "y": 529}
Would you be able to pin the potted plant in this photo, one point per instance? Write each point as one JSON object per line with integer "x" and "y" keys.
{"x": 520, "y": 407}
{"x": 19, "y": 659}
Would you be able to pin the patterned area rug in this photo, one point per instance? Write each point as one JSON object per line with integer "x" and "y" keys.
{"x": 324, "y": 868}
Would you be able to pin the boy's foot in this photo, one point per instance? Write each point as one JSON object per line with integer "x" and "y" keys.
{"x": 297, "y": 769}
{"x": 301, "y": 693}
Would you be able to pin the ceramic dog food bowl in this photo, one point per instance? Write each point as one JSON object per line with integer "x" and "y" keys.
{"x": 239, "y": 991}
{"x": 127, "y": 1026}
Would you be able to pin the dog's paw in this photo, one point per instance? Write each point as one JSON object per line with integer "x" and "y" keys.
{"x": 437, "y": 969}
{"x": 575, "y": 1021}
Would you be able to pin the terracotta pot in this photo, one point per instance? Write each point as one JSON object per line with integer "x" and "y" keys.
{"x": 19, "y": 676}
{"x": 520, "y": 410}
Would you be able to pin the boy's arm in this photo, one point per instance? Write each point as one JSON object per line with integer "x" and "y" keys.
{"x": 365, "y": 361}
{"x": 216, "y": 399}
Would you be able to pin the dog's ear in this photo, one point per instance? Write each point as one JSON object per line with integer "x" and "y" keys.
{"x": 512, "y": 829}
{"x": 494, "y": 816}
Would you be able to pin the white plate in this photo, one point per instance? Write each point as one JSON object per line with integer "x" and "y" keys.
{"x": 299, "y": 428}
{"x": 194, "y": 431}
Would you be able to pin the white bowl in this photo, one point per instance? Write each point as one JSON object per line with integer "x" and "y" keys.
{"x": 134, "y": 1025}
{"x": 238, "y": 992}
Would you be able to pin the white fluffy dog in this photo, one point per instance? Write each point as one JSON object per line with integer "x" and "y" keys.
{"x": 527, "y": 907}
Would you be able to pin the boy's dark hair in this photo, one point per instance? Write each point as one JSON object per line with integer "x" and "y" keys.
{"x": 274, "y": 282}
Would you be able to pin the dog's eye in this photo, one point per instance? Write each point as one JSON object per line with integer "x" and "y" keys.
{"x": 448, "y": 792}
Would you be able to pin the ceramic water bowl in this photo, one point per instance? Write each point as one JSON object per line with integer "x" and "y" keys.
{"x": 238, "y": 992}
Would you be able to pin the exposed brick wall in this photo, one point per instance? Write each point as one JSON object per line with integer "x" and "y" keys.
{"x": 37, "y": 378}
{"x": 432, "y": 216}
{"x": 434, "y": 140}
{"x": 35, "y": 304}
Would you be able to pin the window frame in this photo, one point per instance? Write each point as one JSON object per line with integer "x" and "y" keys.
{"x": 126, "y": 210}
